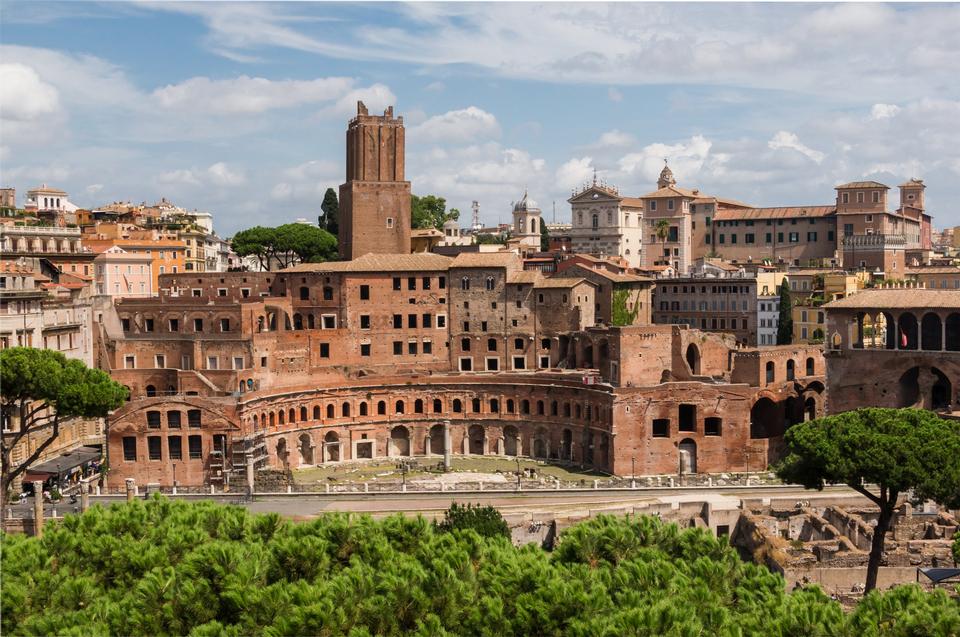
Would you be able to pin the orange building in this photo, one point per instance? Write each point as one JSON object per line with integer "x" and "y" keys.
{"x": 168, "y": 255}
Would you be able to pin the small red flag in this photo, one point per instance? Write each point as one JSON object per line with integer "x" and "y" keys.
{"x": 903, "y": 338}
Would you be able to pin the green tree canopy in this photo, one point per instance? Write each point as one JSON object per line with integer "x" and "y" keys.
{"x": 544, "y": 236}
{"x": 898, "y": 450}
{"x": 38, "y": 389}
{"x": 785, "y": 321}
{"x": 485, "y": 520}
{"x": 430, "y": 211}
{"x": 285, "y": 245}
{"x": 330, "y": 219}
{"x": 166, "y": 567}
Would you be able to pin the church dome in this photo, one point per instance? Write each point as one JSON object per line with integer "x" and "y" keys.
{"x": 525, "y": 204}
{"x": 451, "y": 224}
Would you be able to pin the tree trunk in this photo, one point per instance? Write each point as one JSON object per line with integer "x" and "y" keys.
{"x": 876, "y": 547}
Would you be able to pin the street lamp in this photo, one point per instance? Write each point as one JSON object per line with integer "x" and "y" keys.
{"x": 518, "y": 472}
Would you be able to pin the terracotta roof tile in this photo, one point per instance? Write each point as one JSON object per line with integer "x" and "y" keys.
{"x": 862, "y": 184}
{"x": 898, "y": 298}
{"x": 775, "y": 213}
{"x": 423, "y": 261}
{"x": 485, "y": 260}
{"x": 525, "y": 277}
{"x": 559, "y": 282}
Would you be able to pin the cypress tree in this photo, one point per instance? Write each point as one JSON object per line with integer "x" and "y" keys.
{"x": 785, "y": 323}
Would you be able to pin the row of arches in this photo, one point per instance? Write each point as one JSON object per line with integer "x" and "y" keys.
{"x": 584, "y": 446}
{"x": 490, "y": 406}
{"x": 884, "y": 330}
{"x": 790, "y": 370}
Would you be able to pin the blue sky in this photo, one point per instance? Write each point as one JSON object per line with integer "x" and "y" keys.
{"x": 240, "y": 109}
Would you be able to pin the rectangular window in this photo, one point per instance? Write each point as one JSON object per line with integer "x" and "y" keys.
{"x": 733, "y": 238}
{"x": 129, "y": 362}
{"x": 329, "y": 321}
{"x": 213, "y": 362}
{"x": 779, "y": 237}
{"x": 493, "y": 364}
{"x": 653, "y": 206}
{"x": 722, "y": 239}
{"x": 193, "y": 418}
{"x": 519, "y": 362}
{"x": 441, "y": 321}
{"x": 412, "y": 283}
{"x": 466, "y": 364}
{"x": 195, "y": 444}
{"x": 153, "y": 419}
{"x": 396, "y": 283}
{"x": 748, "y": 238}
{"x": 427, "y": 320}
{"x": 224, "y": 325}
{"x": 130, "y": 448}
{"x": 425, "y": 283}
{"x": 397, "y": 348}
{"x": 174, "y": 325}
{"x": 153, "y": 447}
{"x": 397, "y": 321}
{"x": 221, "y": 291}
{"x": 848, "y": 228}
{"x": 364, "y": 321}
{"x": 161, "y": 361}
{"x": 197, "y": 325}
{"x": 324, "y": 350}
{"x": 147, "y": 325}
{"x": 794, "y": 237}
{"x": 175, "y": 448}
{"x": 125, "y": 323}
{"x": 661, "y": 428}
{"x": 238, "y": 362}
{"x": 829, "y": 235}
{"x": 412, "y": 348}
{"x": 364, "y": 349}
{"x": 412, "y": 321}
{"x": 483, "y": 326}
{"x": 811, "y": 236}
{"x": 364, "y": 292}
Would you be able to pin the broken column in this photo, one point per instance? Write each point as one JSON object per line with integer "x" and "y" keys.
{"x": 131, "y": 488}
{"x": 447, "y": 462}
{"x": 37, "y": 508}
{"x": 84, "y": 495}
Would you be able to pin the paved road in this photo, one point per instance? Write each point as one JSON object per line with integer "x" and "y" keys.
{"x": 509, "y": 502}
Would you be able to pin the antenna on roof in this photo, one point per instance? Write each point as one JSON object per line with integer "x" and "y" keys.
{"x": 594, "y": 175}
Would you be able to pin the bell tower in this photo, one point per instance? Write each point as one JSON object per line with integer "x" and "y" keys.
{"x": 375, "y": 199}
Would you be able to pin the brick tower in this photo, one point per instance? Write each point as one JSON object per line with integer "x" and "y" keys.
{"x": 375, "y": 200}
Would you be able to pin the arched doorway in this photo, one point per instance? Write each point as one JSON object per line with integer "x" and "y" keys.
{"x": 942, "y": 390}
{"x": 511, "y": 440}
{"x": 908, "y": 336}
{"x": 306, "y": 450}
{"x": 151, "y": 391}
{"x": 399, "y": 441}
{"x": 931, "y": 332}
{"x": 331, "y": 444}
{"x": 282, "y": 453}
{"x": 476, "y": 440}
{"x": 540, "y": 443}
{"x": 764, "y": 419}
{"x": 436, "y": 440}
{"x": 693, "y": 359}
{"x": 566, "y": 445}
{"x": 810, "y": 409}
{"x": 688, "y": 456}
{"x": 953, "y": 332}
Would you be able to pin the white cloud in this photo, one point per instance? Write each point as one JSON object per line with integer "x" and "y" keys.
{"x": 375, "y": 97}
{"x": 249, "y": 94}
{"x": 614, "y": 95}
{"x": 684, "y": 158}
{"x": 25, "y": 96}
{"x": 785, "y": 139}
{"x": 222, "y": 175}
{"x": 179, "y": 177}
{"x": 93, "y": 189}
{"x": 436, "y": 87}
{"x": 884, "y": 111}
{"x": 574, "y": 172}
{"x": 465, "y": 125}
{"x": 616, "y": 138}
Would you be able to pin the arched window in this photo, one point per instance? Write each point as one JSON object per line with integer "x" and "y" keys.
{"x": 770, "y": 372}
{"x": 509, "y": 405}
{"x": 791, "y": 370}
{"x": 457, "y": 406}
{"x": 418, "y": 406}
{"x": 280, "y": 417}
{"x": 399, "y": 407}
{"x": 345, "y": 410}
{"x": 330, "y": 411}
{"x": 475, "y": 405}
{"x": 596, "y": 221}
{"x": 316, "y": 412}
{"x": 363, "y": 409}
{"x": 303, "y": 414}
{"x": 540, "y": 409}
{"x": 292, "y": 416}
{"x": 465, "y": 283}
{"x": 491, "y": 344}
{"x": 310, "y": 321}
{"x": 151, "y": 391}
{"x": 554, "y": 408}
{"x": 566, "y": 409}
{"x": 494, "y": 406}
{"x": 525, "y": 406}
{"x": 304, "y": 293}
{"x": 381, "y": 408}
{"x": 810, "y": 367}
{"x": 272, "y": 419}
{"x": 489, "y": 283}
{"x": 437, "y": 405}
{"x": 327, "y": 293}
